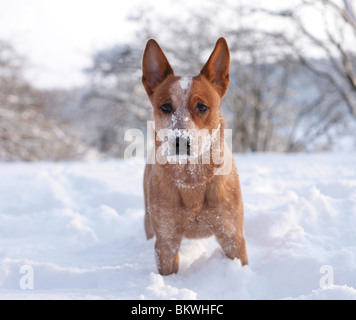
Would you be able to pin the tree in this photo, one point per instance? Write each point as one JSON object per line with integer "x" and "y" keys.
{"x": 335, "y": 44}
{"x": 27, "y": 131}
{"x": 115, "y": 99}
{"x": 276, "y": 104}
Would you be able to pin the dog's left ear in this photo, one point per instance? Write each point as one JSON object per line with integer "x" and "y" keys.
{"x": 216, "y": 70}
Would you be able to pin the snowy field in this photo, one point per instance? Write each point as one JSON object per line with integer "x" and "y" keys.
{"x": 75, "y": 231}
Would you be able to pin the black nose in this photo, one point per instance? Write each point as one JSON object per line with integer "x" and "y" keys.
{"x": 182, "y": 146}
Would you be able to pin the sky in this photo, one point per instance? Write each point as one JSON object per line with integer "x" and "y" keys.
{"x": 58, "y": 37}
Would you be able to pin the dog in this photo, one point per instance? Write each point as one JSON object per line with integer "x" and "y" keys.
{"x": 184, "y": 195}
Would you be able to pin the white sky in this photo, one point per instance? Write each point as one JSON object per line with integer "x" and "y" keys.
{"x": 58, "y": 37}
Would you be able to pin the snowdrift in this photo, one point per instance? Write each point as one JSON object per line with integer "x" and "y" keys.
{"x": 78, "y": 227}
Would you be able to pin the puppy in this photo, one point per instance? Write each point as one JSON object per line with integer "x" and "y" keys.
{"x": 192, "y": 189}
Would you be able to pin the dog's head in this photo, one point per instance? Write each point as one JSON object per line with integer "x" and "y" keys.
{"x": 186, "y": 109}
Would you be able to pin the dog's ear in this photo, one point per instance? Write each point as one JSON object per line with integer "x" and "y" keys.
{"x": 216, "y": 70}
{"x": 155, "y": 67}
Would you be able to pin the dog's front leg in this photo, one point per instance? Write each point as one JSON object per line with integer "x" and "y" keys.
{"x": 232, "y": 241}
{"x": 167, "y": 253}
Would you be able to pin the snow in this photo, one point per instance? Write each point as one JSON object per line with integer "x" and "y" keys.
{"x": 200, "y": 142}
{"x": 79, "y": 227}
{"x": 185, "y": 83}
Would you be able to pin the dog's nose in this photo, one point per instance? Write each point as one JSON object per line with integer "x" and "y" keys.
{"x": 182, "y": 145}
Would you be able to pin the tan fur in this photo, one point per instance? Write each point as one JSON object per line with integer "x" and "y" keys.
{"x": 189, "y": 200}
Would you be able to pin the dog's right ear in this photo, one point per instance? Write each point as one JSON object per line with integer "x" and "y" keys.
{"x": 155, "y": 67}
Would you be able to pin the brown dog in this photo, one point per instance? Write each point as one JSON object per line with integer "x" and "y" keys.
{"x": 186, "y": 196}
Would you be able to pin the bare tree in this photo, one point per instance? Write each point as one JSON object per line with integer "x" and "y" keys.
{"x": 336, "y": 44}
{"x": 27, "y": 132}
{"x": 115, "y": 99}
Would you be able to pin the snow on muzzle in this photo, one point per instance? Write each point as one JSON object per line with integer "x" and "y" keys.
{"x": 182, "y": 145}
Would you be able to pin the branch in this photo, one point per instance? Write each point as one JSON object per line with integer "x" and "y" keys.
{"x": 347, "y": 13}
{"x": 346, "y": 73}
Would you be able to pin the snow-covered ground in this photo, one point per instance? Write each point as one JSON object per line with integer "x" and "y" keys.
{"x": 75, "y": 231}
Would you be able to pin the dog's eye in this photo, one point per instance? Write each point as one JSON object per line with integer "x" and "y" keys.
{"x": 202, "y": 108}
{"x": 167, "y": 108}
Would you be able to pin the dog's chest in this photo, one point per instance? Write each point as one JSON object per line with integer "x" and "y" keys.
{"x": 192, "y": 198}
{"x": 195, "y": 220}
